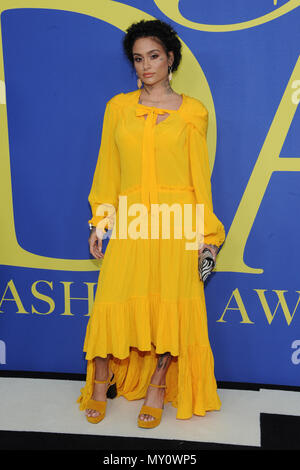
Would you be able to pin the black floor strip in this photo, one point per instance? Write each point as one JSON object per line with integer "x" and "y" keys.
{"x": 280, "y": 432}
{"x": 17, "y": 440}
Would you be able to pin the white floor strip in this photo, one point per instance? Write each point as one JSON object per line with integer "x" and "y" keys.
{"x": 50, "y": 406}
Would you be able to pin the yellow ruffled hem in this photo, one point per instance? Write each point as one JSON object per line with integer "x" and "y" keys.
{"x": 135, "y": 332}
{"x": 171, "y": 325}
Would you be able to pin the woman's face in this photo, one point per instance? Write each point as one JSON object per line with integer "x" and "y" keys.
{"x": 150, "y": 58}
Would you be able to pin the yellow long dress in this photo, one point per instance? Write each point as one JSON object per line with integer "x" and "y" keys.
{"x": 150, "y": 299}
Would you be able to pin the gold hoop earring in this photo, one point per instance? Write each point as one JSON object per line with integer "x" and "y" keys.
{"x": 139, "y": 83}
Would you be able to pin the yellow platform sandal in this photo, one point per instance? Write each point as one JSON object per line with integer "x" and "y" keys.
{"x": 149, "y": 410}
{"x": 101, "y": 405}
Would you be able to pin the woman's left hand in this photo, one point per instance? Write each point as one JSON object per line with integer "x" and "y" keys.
{"x": 213, "y": 248}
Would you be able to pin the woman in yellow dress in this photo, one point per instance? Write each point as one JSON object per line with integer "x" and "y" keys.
{"x": 147, "y": 335}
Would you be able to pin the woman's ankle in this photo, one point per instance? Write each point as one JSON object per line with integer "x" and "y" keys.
{"x": 102, "y": 371}
{"x": 158, "y": 378}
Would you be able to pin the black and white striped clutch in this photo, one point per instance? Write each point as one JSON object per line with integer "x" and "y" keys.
{"x": 205, "y": 264}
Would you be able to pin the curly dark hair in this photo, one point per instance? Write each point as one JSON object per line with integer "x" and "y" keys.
{"x": 157, "y": 29}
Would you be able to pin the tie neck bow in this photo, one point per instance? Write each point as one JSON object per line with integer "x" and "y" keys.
{"x": 142, "y": 109}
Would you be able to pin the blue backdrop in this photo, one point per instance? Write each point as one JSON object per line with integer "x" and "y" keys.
{"x": 59, "y": 69}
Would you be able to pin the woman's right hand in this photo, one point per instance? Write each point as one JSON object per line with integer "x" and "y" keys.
{"x": 95, "y": 244}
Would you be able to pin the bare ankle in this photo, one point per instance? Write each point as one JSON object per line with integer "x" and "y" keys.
{"x": 101, "y": 368}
